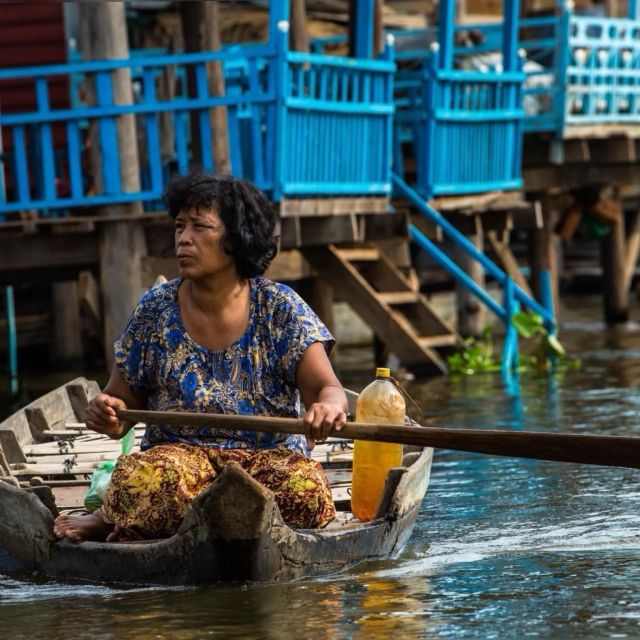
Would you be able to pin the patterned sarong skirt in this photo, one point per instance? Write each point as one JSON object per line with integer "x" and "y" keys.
{"x": 151, "y": 490}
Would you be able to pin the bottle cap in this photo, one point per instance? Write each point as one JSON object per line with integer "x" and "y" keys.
{"x": 383, "y": 372}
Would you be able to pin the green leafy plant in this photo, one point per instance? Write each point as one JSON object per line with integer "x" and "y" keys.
{"x": 476, "y": 355}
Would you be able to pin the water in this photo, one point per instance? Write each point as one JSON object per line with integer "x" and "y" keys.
{"x": 503, "y": 548}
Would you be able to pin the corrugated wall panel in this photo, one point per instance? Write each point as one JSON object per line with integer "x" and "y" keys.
{"x": 31, "y": 33}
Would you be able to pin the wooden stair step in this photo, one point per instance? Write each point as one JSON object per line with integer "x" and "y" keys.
{"x": 379, "y": 292}
{"x": 362, "y": 254}
{"x": 398, "y": 297}
{"x": 446, "y": 340}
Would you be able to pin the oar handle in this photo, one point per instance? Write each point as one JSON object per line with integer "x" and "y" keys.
{"x": 616, "y": 451}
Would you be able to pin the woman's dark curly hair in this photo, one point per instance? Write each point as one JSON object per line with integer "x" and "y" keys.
{"x": 248, "y": 217}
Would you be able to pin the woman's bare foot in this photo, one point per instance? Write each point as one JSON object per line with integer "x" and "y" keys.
{"x": 79, "y": 528}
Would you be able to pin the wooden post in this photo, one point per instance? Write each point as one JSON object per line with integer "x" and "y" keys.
{"x": 612, "y": 257}
{"x": 507, "y": 260}
{"x": 632, "y": 250}
{"x": 471, "y": 312}
{"x": 103, "y": 35}
{"x": 546, "y": 249}
{"x": 67, "y": 331}
{"x": 318, "y": 294}
{"x": 122, "y": 244}
{"x": 298, "y": 27}
{"x": 378, "y": 28}
{"x": 611, "y": 8}
{"x": 201, "y": 32}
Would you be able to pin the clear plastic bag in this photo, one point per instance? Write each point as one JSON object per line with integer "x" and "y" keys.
{"x": 101, "y": 476}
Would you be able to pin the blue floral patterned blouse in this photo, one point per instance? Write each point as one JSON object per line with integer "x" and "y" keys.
{"x": 253, "y": 376}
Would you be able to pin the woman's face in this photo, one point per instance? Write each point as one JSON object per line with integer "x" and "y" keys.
{"x": 198, "y": 238}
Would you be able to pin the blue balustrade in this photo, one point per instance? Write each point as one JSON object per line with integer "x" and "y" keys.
{"x": 464, "y": 128}
{"x": 458, "y": 105}
{"x": 337, "y": 124}
{"x": 50, "y": 180}
{"x": 299, "y": 125}
{"x": 463, "y": 125}
{"x": 539, "y": 39}
{"x": 586, "y": 71}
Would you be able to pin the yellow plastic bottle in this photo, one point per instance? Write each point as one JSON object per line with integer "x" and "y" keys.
{"x": 381, "y": 403}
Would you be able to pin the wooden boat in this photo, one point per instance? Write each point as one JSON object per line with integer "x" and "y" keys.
{"x": 232, "y": 532}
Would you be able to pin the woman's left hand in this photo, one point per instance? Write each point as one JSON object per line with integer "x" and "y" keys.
{"x": 319, "y": 419}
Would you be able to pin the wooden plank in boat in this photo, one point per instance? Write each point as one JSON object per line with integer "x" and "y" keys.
{"x": 44, "y": 469}
{"x": 72, "y": 482}
{"x": 344, "y": 520}
{"x": 70, "y": 497}
{"x": 76, "y": 457}
{"x": 333, "y": 452}
{"x": 11, "y": 446}
{"x": 81, "y": 426}
{"x": 341, "y": 494}
{"x": 79, "y": 446}
{"x": 76, "y": 433}
{"x": 61, "y": 433}
{"x": 338, "y": 476}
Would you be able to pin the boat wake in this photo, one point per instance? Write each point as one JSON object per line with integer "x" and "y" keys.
{"x": 594, "y": 533}
{"x": 20, "y": 591}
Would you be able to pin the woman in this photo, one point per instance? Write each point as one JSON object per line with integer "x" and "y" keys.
{"x": 220, "y": 339}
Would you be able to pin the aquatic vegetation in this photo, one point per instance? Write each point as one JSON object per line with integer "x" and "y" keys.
{"x": 542, "y": 350}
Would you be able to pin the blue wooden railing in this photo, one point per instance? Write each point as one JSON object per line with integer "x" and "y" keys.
{"x": 451, "y": 115}
{"x": 451, "y": 118}
{"x": 298, "y": 125}
{"x": 512, "y": 295}
{"x": 336, "y": 124}
{"x": 35, "y": 168}
{"x": 580, "y": 70}
{"x": 462, "y": 124}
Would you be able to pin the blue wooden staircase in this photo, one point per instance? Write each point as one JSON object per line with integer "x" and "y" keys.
{"x": 404, "y": 320}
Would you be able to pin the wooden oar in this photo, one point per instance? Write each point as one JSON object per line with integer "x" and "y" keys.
{"x": 612, "y": 451}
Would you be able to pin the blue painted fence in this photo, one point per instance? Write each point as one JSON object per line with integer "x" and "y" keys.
{"x": 464, "y": 127}
{"x": 298, "y": 125}
{"x": 580, "y": 70}
{"x": 451, "y": 116}
{"x": 336, "y": 124}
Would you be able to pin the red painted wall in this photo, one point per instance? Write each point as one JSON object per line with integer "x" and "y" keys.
{"x": 31, "y": 33}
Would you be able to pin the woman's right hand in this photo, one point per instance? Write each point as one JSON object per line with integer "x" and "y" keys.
{"x": 101, "y": 415}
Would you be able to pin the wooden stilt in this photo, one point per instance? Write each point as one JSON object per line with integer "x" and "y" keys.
{"x": 378, "y": 28}
{"x": 122, "y": 244}
{"x": 507, "y": 260}
{"x": 612, "y": 256}
{"x": 201, "y": 32}
{"x": 122, "y": 247}
{"x": 546, "y": 249}
{"x": 632, "y": 250}
{"x": 67, "y": 332}
{"x": 219, "y": 123}
{"x": 298, "y": 40}
{"x": 319, "y": 296}
{"x": 104, "y": 37}
{"x": 471, "y": 312}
